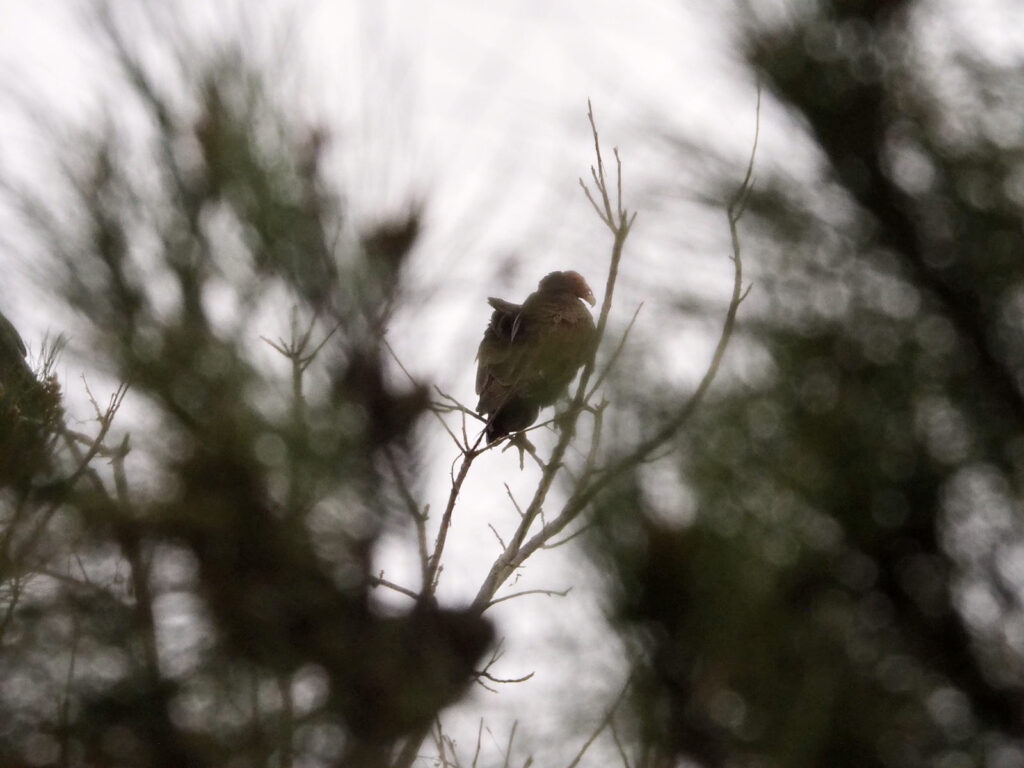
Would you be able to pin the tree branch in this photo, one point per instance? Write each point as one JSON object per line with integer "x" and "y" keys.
{"x": 619, "y": 222}
{"x": 605, "y": 721}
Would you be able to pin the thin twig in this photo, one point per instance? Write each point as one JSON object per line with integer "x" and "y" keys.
{"x": 618, "y": 743}
{"x": 380, "y": 581}
{"x": 433, "y": 407}
{"x": 508, "y": 680}
{"x": 439, "y": 743}
{"x": 421, "y": 541}
{"x": 619, "y": 225}
{"x": 739, "y": 202}
{"x": 105, "y": 419}
{"x": 549, "y": 592}
{"x": 615, "y": 354}
{"x": 513, "y": 500}
{"x": 671, "y": 426}
{"x": 497, "y": 535}
{"x": 561, "y": 542}
{"x": 411, "y": 505}
{"x": 511, "y": 738}
{"x": 83, "y": 460}
{"x": 479, "y": 737}
{"x": 605, "y": 721}
{"x": 434, "y": 561}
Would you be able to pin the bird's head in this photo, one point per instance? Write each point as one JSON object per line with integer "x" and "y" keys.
{"x": 569, "y": 282}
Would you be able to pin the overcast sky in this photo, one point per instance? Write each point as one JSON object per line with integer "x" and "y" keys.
{"x": 481, "y": 109}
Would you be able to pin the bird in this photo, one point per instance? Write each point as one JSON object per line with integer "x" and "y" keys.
{"x": 531, "y": 351}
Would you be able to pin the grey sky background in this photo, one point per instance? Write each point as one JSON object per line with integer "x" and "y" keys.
{"x": 480, "y": 110}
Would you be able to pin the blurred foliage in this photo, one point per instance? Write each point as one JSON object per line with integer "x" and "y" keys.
{"x": 253, "y": 524}
{"x": 848, "y": 592}
{"x": 30, "y": 411}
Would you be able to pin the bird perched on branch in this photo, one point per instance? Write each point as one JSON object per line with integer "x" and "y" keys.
{"x": 531, "y": 351}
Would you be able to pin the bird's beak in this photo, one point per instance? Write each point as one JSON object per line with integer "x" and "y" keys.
{"x": 589, "y": 298}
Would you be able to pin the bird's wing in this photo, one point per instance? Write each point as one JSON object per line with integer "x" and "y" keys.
{"x": 500, "y": 368}
{"x": 501, "y": 305}
{"x": 505, "y": 319}
{"x": 501, "y": 354}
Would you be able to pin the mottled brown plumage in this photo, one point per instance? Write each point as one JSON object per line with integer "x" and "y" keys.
{"x": 531, "y": 351}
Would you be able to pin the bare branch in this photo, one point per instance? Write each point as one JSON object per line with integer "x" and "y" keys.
{"x": 411, "y": 505}
{"x": 599, "y": 179}
{"x": 511, "y": 738}
{"x": 618, "y": 183}
{"x": 519, "y": 549}
{"x": 435, "y": 408}
{"x": 380, "y": 581}
{"x": 105, "y": 419}
{"x": 618, "y": 743}
{"x": 295, "y": 348}
{"x": 494, "y": 679}
{"x": 439, "y": 743}
{"x": 455, "y": 406}
{"x": 570, "y": 537}
{"x": 513, "y": 500}
{"x": 93, "y": 447}
{"x": 605, "y": 721}
{"x": 497, "y": 535}
{"x": 615, "y": 354}
{"x": 619, "y": 225}
{"x": 739, "y": 202}
{"x": 479, "y": 736}
{"x": 550, "y": 592}
{"x": 672, "y": 425}
{"x": 593, "y": 202}
{"x": 434, "y": 561}
{"x": 421, "y": 542}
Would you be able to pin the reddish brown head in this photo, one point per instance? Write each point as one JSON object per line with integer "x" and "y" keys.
{"x": 569, "y": 282}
